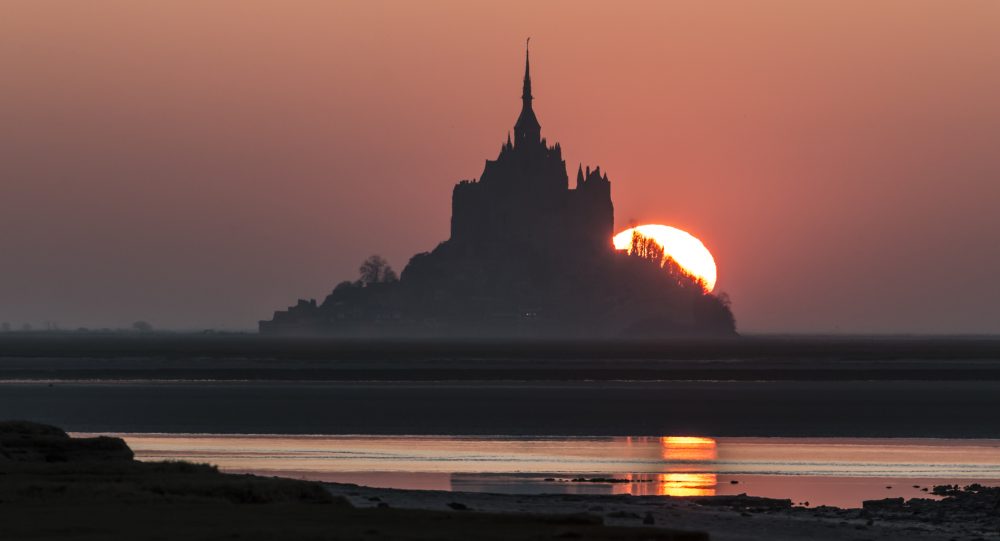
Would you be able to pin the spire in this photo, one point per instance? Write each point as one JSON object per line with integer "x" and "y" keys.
{"x": 527, "y": 130}
{"x": 526, "y": 93}
{"x": 579, "y": 176}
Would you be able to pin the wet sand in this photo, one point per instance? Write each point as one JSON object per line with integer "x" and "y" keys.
{"x": 946, "y": 387}
{"x": 742, "y": 521}
{"x": 66, "y": 357}
{"x": 57, "y": 488}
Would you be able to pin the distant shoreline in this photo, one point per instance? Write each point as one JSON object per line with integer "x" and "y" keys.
{"x": 193, "y": 358}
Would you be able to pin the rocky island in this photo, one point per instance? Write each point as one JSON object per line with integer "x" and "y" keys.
{"x": 528, "y": 256}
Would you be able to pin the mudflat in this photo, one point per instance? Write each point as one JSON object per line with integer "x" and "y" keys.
{"x": 57, "y": 487}
{"x": 126, "y": 357}
{"x": 965, "y": 514}
{"x": 945, "y": 387}
{"x": 965, "y": 409}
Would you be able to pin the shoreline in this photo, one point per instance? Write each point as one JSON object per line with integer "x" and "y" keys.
{"x": 724, "y": 518}
{"x": 800, "y": 490}
{"x": 58, "y": 487}
{"x": 832, "y": 471}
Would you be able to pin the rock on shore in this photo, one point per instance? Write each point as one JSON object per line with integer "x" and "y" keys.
{"x": 22, "y": 441}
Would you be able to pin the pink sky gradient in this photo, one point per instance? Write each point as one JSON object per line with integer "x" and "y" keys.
{"x": 201, "y": 164}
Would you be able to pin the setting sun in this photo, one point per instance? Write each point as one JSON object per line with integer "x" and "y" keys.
{"x": 684, "y": 248}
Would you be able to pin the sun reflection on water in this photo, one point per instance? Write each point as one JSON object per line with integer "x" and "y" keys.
{"x": 686, "y": 461}
{"x": 688, "y": 448}
{"x": 672, "y": 484}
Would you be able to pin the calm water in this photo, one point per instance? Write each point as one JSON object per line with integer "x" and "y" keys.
{"x": 830, "y": 471}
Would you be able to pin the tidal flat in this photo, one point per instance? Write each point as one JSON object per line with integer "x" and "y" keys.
{"x": 906, "y": 409}
{"x": 931, "y": 387}
{"x": 825, "y": 393}
{"x": 57, "y": 487}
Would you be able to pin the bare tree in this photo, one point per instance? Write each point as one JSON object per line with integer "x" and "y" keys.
{"x": 648, "y": 249}
{"x": 680, "y": 275}
{"x": 376, "y": 270}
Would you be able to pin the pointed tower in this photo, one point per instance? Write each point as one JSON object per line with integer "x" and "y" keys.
{"x": 527, "y": 130}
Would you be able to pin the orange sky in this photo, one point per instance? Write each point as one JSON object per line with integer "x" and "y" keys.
{"x": 200, "y": 164}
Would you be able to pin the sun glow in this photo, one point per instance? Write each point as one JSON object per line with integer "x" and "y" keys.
{"x": 683, "y": 247}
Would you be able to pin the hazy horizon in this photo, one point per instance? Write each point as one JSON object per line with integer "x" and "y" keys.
{"x": 202, "y": 165}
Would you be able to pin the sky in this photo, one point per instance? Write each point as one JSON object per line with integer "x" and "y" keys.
{"x": 202, "y": 164}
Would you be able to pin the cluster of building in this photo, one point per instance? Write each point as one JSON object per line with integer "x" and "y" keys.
{"x": 528, "y": 256}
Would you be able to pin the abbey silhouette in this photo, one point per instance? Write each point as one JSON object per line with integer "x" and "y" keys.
{"x": 528, "y": 256}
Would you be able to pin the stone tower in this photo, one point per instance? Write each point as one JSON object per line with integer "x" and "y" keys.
{"x": 523, "y": 197}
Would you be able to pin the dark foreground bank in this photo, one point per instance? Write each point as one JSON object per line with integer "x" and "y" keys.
{"x": 55, "y": 487}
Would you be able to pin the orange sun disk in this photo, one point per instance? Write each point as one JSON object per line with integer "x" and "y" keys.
{"x": 683, "y": 247}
